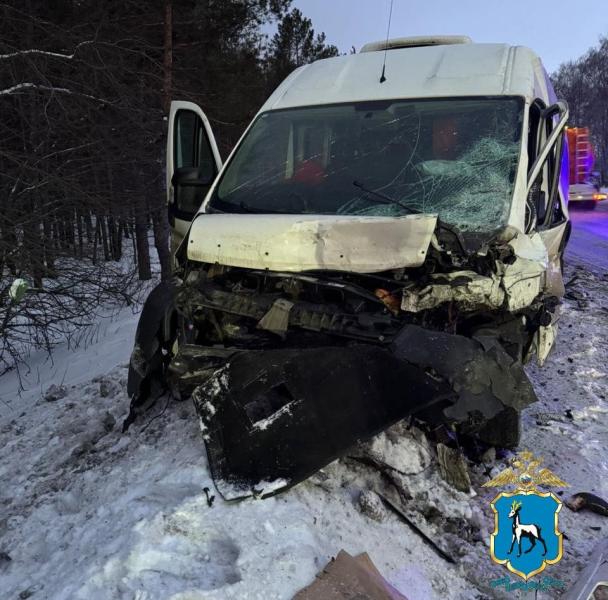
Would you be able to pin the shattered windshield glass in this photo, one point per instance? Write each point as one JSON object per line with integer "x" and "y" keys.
{"x": 454, "y": 157}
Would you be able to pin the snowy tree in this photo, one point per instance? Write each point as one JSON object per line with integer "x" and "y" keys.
{"x": 85, "y": 87}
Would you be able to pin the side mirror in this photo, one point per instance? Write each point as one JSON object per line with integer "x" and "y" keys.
{"x": 191, "y": 185}
{"x": 193, "y": 177}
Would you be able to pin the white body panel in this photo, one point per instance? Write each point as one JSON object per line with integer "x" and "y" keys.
{"x": 424, "y": 72}
{"x": 307, "y": 242}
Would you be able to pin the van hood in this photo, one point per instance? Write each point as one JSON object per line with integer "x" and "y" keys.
{"x": 311, "y": 242}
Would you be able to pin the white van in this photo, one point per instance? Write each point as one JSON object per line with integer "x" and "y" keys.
{"x": 385, "y": 240}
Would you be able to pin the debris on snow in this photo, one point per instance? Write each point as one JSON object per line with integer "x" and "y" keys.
{"x": 210, "y": 497}
{"x": 591, "y": 583}
{"x": 346, "y": 577}
{"x": 130, "y": 517}
{"x": 55, "y": 392}
{"x": 370, "y": 504}
{"x": 585, "y": 500}
{"x": 453, "y": 468}
{"x": 403, "y": 517}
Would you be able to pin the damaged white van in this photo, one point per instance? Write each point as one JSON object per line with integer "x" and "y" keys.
{"x": 385, "y": 241}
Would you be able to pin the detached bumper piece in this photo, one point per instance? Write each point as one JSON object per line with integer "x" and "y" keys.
{"x": 272, "y": 418}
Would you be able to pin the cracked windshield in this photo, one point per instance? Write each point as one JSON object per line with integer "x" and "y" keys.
{"x": 457, "y": 158}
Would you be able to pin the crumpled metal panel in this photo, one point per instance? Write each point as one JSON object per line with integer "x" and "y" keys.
{"x": 296, "y": 243}
{"x": 487, "y": 381}
{"x": 515, "y": 284}
{"x": 522, "y": 282}
{"x": 272, "y": 418}
{"x": 467, "y": 288}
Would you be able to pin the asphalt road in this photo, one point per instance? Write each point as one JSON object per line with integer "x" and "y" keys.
{"x": 589, "y": 240}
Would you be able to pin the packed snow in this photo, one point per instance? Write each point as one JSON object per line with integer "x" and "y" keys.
{"x": 87, "y": 512}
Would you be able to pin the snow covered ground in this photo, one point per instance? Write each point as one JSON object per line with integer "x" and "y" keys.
{"x": 87, "y": 512}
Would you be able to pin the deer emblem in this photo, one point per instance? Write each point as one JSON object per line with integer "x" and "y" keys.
{"x": 531, "y": 531}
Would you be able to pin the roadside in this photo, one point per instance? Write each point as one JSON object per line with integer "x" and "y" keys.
{"x": 89, "y": 512}
{"x": 589, "y": 241}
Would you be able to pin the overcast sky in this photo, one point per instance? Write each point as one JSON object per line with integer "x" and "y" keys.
{"x": 558, "y": 30}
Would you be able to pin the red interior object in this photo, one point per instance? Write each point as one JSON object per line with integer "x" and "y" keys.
{"x": 309, "y": 171}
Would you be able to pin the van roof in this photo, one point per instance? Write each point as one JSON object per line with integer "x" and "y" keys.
{"x": 433, "y": 71}
{"x": 416, "y": 41}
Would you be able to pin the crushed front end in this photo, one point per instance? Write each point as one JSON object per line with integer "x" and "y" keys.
{"x": 290, "y": 369}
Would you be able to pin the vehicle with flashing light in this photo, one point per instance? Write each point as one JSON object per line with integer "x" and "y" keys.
{"x": 584, "y": 190}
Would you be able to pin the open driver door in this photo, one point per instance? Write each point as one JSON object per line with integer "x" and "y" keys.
{"x": 193, "y": 162}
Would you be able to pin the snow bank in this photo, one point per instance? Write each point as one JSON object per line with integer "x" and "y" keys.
{"x": 89, "y": 513}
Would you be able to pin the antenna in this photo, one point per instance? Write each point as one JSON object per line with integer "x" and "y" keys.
{"x": 388, "y": 31}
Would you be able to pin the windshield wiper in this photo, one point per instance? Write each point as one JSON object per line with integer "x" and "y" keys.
{"x": 440, "y": 223}
{"x": 264, "y": 211}
{"x": 386, "y": 199}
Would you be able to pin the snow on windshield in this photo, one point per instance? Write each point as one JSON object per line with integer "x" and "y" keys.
{"x": 454, "y": 157}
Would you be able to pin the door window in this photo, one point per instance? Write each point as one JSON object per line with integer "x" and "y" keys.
{"x": 192, "y": 152}
{"x": 186, "y": 133}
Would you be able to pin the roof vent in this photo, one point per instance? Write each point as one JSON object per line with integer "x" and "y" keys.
{"x": 416, "y": 42}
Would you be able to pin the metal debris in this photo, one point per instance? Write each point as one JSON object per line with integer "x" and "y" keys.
{"x": 268, "y": 425}
{"x": 593, "y": 576}
{"x": 403, "y": 517}
{"x": 585, "y": 500}
{"x": 453, "y": 468}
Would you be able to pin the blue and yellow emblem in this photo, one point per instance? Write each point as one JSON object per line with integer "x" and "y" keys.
{"x": 526, "y": 537}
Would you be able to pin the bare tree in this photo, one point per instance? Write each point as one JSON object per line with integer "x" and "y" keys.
{"x": 584, "y": 84}
{"x": 85, "y": 88}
